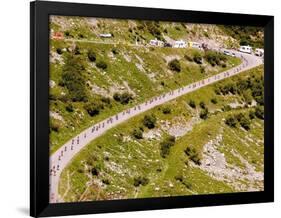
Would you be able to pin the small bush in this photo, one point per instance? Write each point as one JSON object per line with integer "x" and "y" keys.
{"x": 166, "y": 145}
{"x": 67, "y": 33}
{"x": 106, "y": 181}
{"x": 69, "y": 107}
{"x": 101, "y": 65}
{"x": 77, "y": 50}
{"x": 179, "y": 178}
{"x": 245, "y": 123}
{"x": 140, "y": 180}
{"x": 202, "y": 105}
{"x": 137, "y": 133}
{"x": 95, "y": 170}
{"x": 166, "y": 110}
{"x": 114, "y": 51}
{"x": 92, "y": 108}
{"x": 92, "y": 56}
{"x": 197, "y": 58}
{"x": 188, "y": 57}
{"x": 192, "y": 104}
{"x": 252, "y": 115}
{"x": 202, "y": 69}
{"x": 59, "y": 51}
{"x": 149, "y": 121}
{"x": 259, "y": 112}
{"x": 226, "y": 108}
{"x": 214, "y": 100}
{"x": 204, "y": 114}
{"x": 188, "y": 185}
{"x": 174, "y": 65}
{"x": 123, "y": 98}
{"x": 193, "y": 155}
{"x": 231, "y": 121}
{"x": 105, "y": 100}
{"x": 215, "y": 58}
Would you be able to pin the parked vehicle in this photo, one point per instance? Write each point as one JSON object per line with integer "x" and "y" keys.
{"x": 227, "y": 52}
{"x": 180, "y": 44}
{"x": 196, "y": 45}
{"x": 156, "y": 42}
{"x": 246, "y": 49}
{"x": 166, "y": 44}
{"x": 105, "y": 35}
{"x": 259, "y": 52}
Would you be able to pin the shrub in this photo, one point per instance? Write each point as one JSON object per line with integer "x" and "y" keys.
{"x": 215, "y": 58}
{"x": 214, "y": 100}
{"x": 179, "y": 178}
{"x": 114, "y": 51}
{"x": 123, "y": 98}
{"x": 166, "y": 145}
{"x": 77, "y": 50}
{"x": 149, "y": 121}
{"x": 92, "y": 108}
{"x": 231, "y": 121}
{"x": 197, "y": 58}
{"x": 92, "y": 56}
{"x": 95, "y": 170}
{"x": 106, "y": 181}
{"x": 69, "y": 107}
{"x": 59, "y": 51}
{"x": 67, "y": 33}
{"x": 105, "y": 100}
{"x": 204, "y": 114}
{"x": 140, "y": 180}
{"x": 137, "y": 133}
{"x": 101, "y": 65}
{"x": 202, "y": 69}
{"x": 239, "y": 116}
{"x": 226, "y": 108}
{"x": 259, "y": 112}
{"x": 166, "y": 110}
{"x": 193, "y": 155}
{"x": 188, "y": 57}
{"x": 174, "y": 65}
{"x": 251, "y": 115}
{"x": 202, "y": 105}
{"x": 188, "y": 185}
{"x": 80, "y": 170}
{"x": 192, "y": 104}
{"x": 73, "y": 79}
{"x": 245, "y": 123}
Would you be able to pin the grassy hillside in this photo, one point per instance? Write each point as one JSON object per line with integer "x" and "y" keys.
{"x": 208, "y": 141}
{"x": 104, "y": 70}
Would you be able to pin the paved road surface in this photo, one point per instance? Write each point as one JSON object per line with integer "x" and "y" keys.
{"x": 63, "y": 156}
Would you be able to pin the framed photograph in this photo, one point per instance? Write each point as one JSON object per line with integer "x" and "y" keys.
{"x": 141, "y": 109}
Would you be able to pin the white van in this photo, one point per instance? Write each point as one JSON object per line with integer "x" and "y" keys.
{"x": 246, "y": 49}
{"x": 259, "y": 52}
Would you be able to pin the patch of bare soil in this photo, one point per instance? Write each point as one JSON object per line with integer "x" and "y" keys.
{"x": 153, "y": 134}
{"x": 56, "y": 58}
{"x": 56, "y": 116}
{"x": 179, "y": 126}
{"x": 215, "y": 164}
{"x": 171, "y": 57}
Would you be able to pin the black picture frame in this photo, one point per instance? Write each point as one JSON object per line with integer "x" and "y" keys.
{"x": 39, "y": 108}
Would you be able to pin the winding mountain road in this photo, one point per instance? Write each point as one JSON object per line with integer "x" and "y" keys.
{"x": 62, "y": 157}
